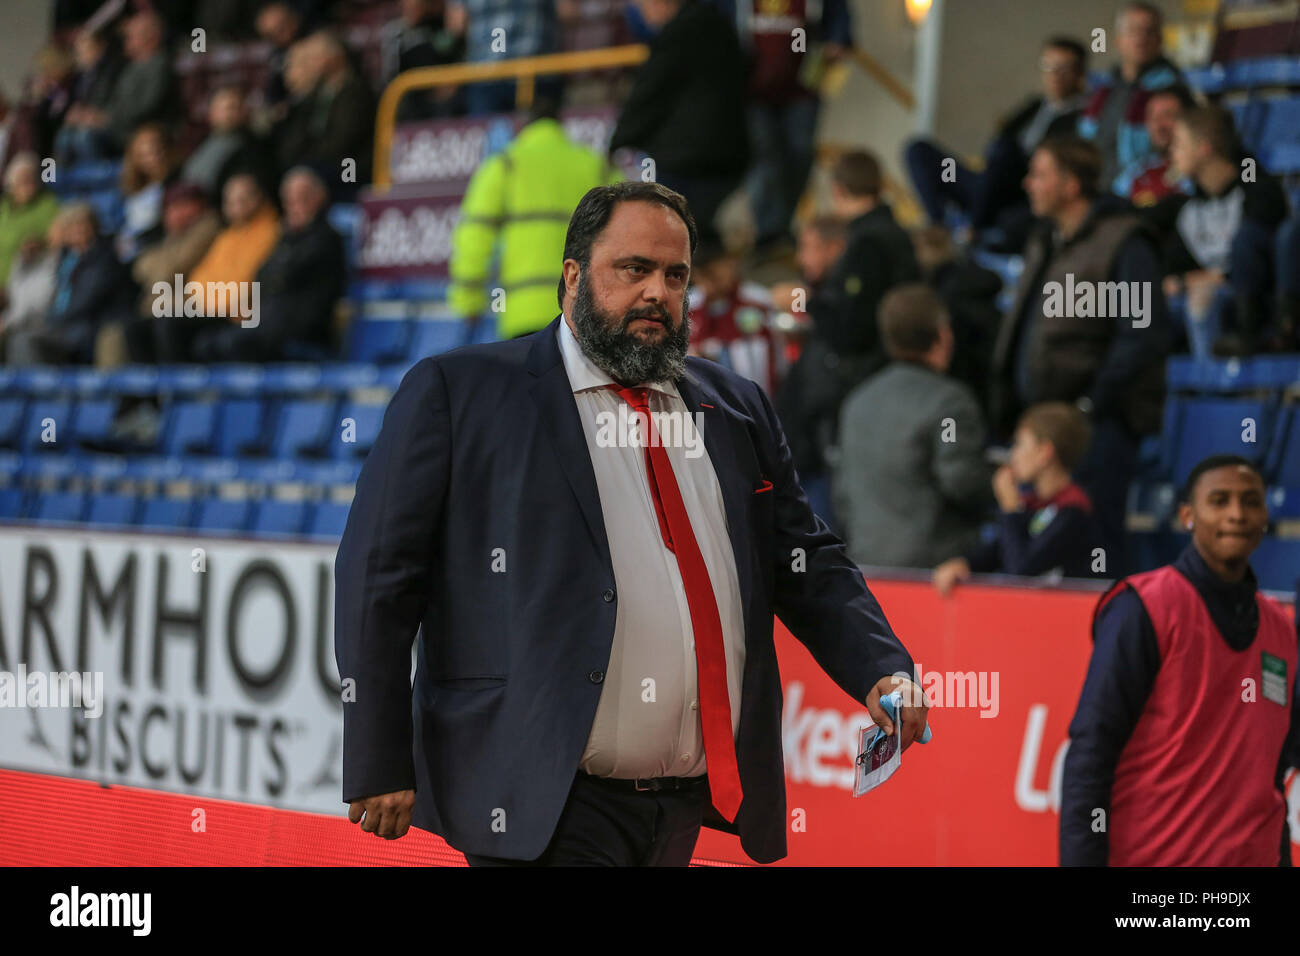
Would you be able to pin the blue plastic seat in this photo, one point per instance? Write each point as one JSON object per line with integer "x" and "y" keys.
{"x": 328, "y": 519}
{"x": 12, "y": 502}
{"x": 366, "y": 419}
{"x": 279, "y": 517}
{"x": 113, "y": 509}
{"x": 190, "y": 427}
{"x": 240, "y": 424}
{"x": 46, "y": 416}
{"x": 166, "y": 513}
{"x": 1284, "y": 459}
{"x": 304, "y": 428}
{"x": 1277, "y": 563}
{"x": 378, "y": 340}
{"x": 219, "y": 514}
{"x": 1211, "y": 426}
{"x": 435, "y": 337}
{"x": 11, "y": 421}
{"x": 60, "y": 506}
{"x": 94, "y": 420}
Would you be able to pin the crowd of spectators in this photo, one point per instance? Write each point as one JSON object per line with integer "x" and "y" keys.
{"x": 893, "y": 366}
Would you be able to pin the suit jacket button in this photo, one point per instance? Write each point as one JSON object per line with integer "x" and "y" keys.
{"x": 596, "y": 676}
{"x": 608, "y": 595}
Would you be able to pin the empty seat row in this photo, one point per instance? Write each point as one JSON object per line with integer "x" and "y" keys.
{"x": 270, "y": 516}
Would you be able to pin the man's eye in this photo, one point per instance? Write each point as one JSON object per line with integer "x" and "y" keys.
{"x": 636, "y": 268}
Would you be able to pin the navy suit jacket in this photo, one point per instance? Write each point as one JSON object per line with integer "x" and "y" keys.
{"x": 482, "y": 458}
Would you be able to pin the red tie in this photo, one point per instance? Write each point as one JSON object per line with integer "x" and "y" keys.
{"x": 710, "y": 656}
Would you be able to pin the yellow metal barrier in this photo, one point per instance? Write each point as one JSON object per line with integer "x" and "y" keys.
{"x": 525, "y": 69}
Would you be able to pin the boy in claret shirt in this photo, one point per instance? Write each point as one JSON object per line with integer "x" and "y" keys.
{"x": 1047, "y": 526}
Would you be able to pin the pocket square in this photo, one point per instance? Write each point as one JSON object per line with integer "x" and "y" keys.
{"x": 765, "y": 486}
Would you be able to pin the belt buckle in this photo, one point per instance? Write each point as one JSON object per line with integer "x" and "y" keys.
{"x": 637, "y": 784}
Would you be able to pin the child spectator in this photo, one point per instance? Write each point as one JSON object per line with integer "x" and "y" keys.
{"x": 1047, "y": 526}
{"x": 731, "y": 321}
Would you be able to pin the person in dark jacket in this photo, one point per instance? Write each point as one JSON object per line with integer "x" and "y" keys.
{"x": 421, "y": 37}
{"x": 91, "y": 288}
{"x": 231, "y": 147}
{"x": 1218, "y": 242}
{"x": 1189, "y": 716}
{"x": 686, "y": 108}
{"x": 1088, "y": 325}
{"x": 299, "y": 285}
{"x": 845, "y": 345}
{"x": 995, "y": 196}
{"x": 1045, "y": 520}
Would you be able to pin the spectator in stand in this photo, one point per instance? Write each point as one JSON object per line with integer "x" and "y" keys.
{"x": 518, "y": 204}
{"x": 1189, "y": 718}
{"x": 844, "y": 348}
{"x": 1219, "y": 242}
{"x": 731, "y": 321}
{"x": 686, "y": 108}
{"x": 148, "y": 168}
{"x": 782, "y": 106}
{"x": 280, "y": 25}
{"x": 333, "y": 115}
{"x": 91, "y": 288}
{"x": 911, "y": 483}
{"x": 252, "y": 229}
{"x": 1115, "y": 114}
{"x": 1045, "y": 523}
{"x": 421, "y": 37}
{"x": 230, "y": 147}
{"x": 970, "y": 294}
{"x": 28, "y": 296}
{"x": 144, "y": 92}
{"x": 301, "y": 283}
{"x": 995, "y": 197}
{"x": 190, "y": 227}
{"x": 26, "y": 208}
{"x": 505, "y": 30}
{"x": 47, "y": 100}
{"x": 1088, "y": 325}
{"x": 1150, "y": 179}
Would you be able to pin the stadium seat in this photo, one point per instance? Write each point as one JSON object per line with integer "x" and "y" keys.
{"x": 435, "y": 337}
{"x": 220, "y": 514}
{"x": 94, "y": 421}
{"x": 328, "y": 519}
{"x": 279, "y": 517}
{"x": 52, "y": 414}
{"x": 304, "y": 428}
{"x": 166, "y": 513}
{"x": 190, "y": 427}
{"x": 239, "y": 427}
{"x": 11, "y": 421}
{"x": 60, "y": 506}
{"x": 1277, "y": 563}
{"x": 1209, "y": 426}
{"x": 113, "y": 509}
{"x": 378, "y": 340}
{"x": 12, "y": 501}
{"x": 366, "y": 419}
{"x": 1283, "y": 466}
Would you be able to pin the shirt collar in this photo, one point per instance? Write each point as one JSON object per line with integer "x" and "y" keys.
{"x": 585, "y": 374}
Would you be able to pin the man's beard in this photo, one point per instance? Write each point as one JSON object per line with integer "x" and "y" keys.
{"x": 623, "y": 355}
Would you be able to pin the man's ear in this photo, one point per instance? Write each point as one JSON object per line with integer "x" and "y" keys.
{"x": 1185, "y": 516}
{"x": 571, "y": 273}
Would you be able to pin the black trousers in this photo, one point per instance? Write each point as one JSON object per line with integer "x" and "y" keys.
{"x": 601, "y": 826}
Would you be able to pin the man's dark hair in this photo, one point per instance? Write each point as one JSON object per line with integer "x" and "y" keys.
{"x": 1079, "y": 158}
{"x": 1184, "y": 96}
{"x": 857, "y": 172}
{"x": 909, "y": 317}
{"x": 1214, "y": 125}
{"x": 829, "y": 228}
{"x": 1209, "y": 464}
{"x": 1070, "y": 46}
{"x": 594, "y": 209}
{"x": 1140, "y": 6}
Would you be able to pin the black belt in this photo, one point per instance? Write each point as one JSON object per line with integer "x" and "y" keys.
{"x": 639, "y": 784}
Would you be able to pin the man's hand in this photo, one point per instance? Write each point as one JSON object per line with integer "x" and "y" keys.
{"x": 913, "y": 712}
{"x": 387, "y": 815}
{"x": 947, "y": 575}
{"x": 1005, "y": 489}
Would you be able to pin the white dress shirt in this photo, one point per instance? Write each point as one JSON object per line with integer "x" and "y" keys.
{"x": 648, "y": 721}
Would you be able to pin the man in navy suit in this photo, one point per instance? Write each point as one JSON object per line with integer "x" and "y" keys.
{"x": 592, "y": 532}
